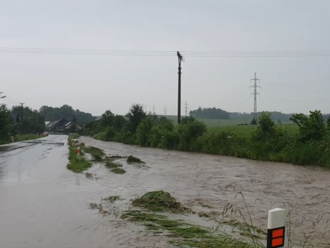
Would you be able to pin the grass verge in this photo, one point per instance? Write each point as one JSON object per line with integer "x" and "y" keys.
{"x": 74, "y": 135}
{"x": 77, "y": 164}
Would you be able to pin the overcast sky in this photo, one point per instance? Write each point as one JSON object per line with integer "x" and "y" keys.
{"x": 95, "y": 83}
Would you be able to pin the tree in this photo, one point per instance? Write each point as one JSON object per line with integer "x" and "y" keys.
{"x": 6, "y": 124}
{"x": 254, "y": 122}
{"x": 266, "y": 129}
{"x": 27, "y": 120}
{"x": 119, "y": 122}
{"x": 107, "y": 118}
{"x": 311, "y": 127}
{"x": 143, "y": 132}
{"x": 135, "y": 116}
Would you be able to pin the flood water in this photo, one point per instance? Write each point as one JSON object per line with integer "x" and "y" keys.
{"x": 42, "y": 204}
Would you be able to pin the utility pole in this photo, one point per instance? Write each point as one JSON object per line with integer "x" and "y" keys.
{"x": 255, "y": 93}
{"x": 186, "y": 108}
{"x": 22, "y": 117}
{"x": 179, "y": 87}
{"x": 36, "y": 123}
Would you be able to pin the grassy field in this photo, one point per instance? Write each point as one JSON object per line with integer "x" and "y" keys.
{"x": 221, "y": 122}
{"x": 232, "y": 125}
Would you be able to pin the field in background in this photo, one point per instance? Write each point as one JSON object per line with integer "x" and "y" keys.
{"x": 232, "y": 125}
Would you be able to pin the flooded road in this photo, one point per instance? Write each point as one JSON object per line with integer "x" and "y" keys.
{"x": 43, "y": 204}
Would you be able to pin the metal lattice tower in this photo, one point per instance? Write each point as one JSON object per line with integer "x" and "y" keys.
{"x": 255, "y": 93}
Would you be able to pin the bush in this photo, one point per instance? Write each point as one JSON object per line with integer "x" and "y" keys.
{"x": 268, "y": 141}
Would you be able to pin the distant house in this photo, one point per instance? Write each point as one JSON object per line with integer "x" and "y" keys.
{"x": 71, "y": 125}
{"x": 62, "y": 126}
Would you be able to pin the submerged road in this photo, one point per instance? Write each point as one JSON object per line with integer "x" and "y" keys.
{"x": 43, "y": 204}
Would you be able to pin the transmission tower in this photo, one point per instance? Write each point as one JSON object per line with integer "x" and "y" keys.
{"x": 186, "y": 108}
{"x": 255, "y": 93}
{"x": 165, "y": 111}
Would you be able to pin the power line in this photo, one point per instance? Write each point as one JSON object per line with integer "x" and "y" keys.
{"x": 141, "y": 53}
{"x": 244, "y": 101}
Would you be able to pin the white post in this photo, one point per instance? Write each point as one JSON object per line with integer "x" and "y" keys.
{"x": 276, "y": 228}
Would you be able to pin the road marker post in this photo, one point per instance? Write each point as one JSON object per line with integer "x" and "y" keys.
{"x": 276, "y": 228}
{"x": 78, "y": 151}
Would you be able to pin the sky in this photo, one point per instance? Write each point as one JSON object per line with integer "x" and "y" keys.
{"x": 95, "y": 83}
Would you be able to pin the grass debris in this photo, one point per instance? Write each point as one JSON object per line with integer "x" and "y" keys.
{"x": 132, "y": 159}
{"x": 96, "y": 153}
{"x": 160, "y": 201}
{"x": 89, "y": 175}
{"x": 115, "y": 157}
{"x": 115, "y": 167}
{"x": 186, "y": 235}
{"x": 112, "y": 165}
{"x": 113, "y": 198}
{"x": 118, "y": 171}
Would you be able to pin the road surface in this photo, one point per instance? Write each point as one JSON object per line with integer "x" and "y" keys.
{"x": 42, "y": 204}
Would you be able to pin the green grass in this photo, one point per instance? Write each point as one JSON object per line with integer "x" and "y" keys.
{"x": 23, "y": 137}
{"x": 74, "y": 135}
{"x": 160, "y": 201}
{"x": 77, "y": 164}
{"x": 96, "y": 153}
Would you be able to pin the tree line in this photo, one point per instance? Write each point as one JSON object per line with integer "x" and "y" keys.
{"x": 268, "y": 142}
{"x": 209, "y": 113}
{"x": 218, "y": 113}
{"x": 19, "y": 120}
{"x": 67, "y": 112}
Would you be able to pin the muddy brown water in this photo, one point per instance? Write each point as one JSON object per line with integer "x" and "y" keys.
{"x": 42, "y": 204}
